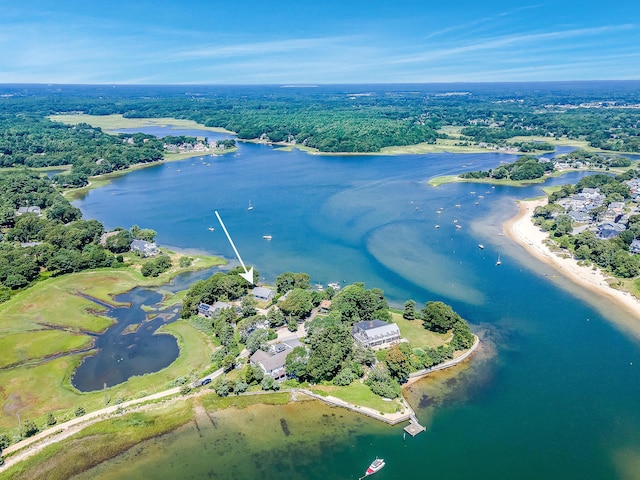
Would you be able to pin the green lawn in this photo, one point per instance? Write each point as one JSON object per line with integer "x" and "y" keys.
{"x": 417, "y": 335}
{"x": 358, "y": 394}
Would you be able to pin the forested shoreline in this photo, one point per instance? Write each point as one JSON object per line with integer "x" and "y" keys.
{"x": 362, "y": 118}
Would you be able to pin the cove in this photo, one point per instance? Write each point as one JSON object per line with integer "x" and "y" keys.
{"x": 554, "y": 391}
{"x": 132, "y": 346}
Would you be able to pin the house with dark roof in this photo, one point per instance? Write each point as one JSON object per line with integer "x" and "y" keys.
{"x": 610, "y": 230}
{"x": 376, "y": 333}
{"x": 273, "y": 362}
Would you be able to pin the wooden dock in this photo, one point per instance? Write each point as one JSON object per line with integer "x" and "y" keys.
{"x": 414, "y": 427}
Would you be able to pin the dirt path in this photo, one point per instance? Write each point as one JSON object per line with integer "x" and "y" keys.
{"x": 32, "y": 445}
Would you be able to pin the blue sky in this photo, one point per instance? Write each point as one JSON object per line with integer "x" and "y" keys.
{"x": 315, "y": 42}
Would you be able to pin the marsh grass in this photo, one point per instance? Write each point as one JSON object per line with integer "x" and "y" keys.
{"x": 100, "y": 442}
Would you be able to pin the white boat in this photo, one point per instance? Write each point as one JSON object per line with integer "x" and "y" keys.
{"x": 375, "y": 466}
{"x": 250, "y": 207}
{"x": 437, "y": 226}
{"x": 458, "y": 226}
{"x": 334, "y": 285}
{"x": 498, "y": 262}
{"x": 211, "y": 229}
{"x": 267, "y": 237}
{"x": 480, "y": 246}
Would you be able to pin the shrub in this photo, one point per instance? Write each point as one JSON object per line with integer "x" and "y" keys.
{"x": 29, "y": 429}
{"x": 51, "y": 420}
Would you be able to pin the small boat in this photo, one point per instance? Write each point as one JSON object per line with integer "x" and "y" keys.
{"x": 498, "y": 262}
{"x": 458, "y": 226}
{"x": 211, "y": 229}
{"x": 457, "y": 205}
{"x": 250, "y": 207}
{"x": 480, "y": 246}
{"x": 477, "y": 203}
{"x": 334, "y": 285}
{"x": 267, "y": 237}
{"x": 437, "y": 226}
{"x": 375, "y": 466}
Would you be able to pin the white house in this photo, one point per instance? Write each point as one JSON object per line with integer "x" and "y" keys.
{"x": 376, "y": 333}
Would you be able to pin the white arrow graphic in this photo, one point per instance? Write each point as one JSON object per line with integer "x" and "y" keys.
{"x": 248, "y": 274}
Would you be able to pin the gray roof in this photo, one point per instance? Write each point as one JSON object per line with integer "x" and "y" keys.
{"x": 273, "y": 361}
{"x": 262, "y": 292}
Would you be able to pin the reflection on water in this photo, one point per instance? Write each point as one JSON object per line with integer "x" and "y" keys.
{"x": 301, "y": 440}
{"x": 132, "y": 345}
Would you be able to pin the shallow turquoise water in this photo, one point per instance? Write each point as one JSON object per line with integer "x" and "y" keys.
{"x": 553, "y": 394}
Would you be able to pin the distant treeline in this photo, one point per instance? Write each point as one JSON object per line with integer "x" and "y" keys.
{"x": 33, "y": 141}
{"x": 336, "y": 120}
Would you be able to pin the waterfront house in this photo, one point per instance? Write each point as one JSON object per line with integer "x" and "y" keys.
{"x": 375, "y": 333}
{"x": 272, "y": 362}
{"x": 263, "y": 293}
{"x": 207, "y": 311}
{"x": 144, "y": 249}
{"x": 610, "y": 230}
{"x": 34, "y": 210}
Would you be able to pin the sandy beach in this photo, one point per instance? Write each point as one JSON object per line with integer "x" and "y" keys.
{"x": 522, "y": 230}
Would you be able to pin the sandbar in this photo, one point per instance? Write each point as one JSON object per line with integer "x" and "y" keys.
{"x": 522, "y": 230}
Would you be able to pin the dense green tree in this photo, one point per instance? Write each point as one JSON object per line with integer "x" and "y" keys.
{"x": 355, "y": 304}
{"x": 439, "y": 317}
{"x": 287, "y": 281}
{"x": 119, "y": 243}
{"x": 329, "y": 347}
{"x": 257, "y": 340}
{"x": 398, "y": 363}
{"x": 296, "y": 363}
{"x": 409, "y": 310}
{"x": 298, "y": 304}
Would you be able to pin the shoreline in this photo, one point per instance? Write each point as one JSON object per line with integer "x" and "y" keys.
{"x": 30, "y": 446}
{"x": 521, "y": 230}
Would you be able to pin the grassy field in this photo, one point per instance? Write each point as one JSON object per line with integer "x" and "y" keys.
{"x": 117, "y": 122}
{"x": 51, "y": 317}
{"x": 27, "y": 346}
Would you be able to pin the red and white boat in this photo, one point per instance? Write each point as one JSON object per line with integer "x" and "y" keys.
{"x": 375, "y": 466}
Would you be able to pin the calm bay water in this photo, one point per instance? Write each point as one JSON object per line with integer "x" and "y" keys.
{"x": 554, "y": 393}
